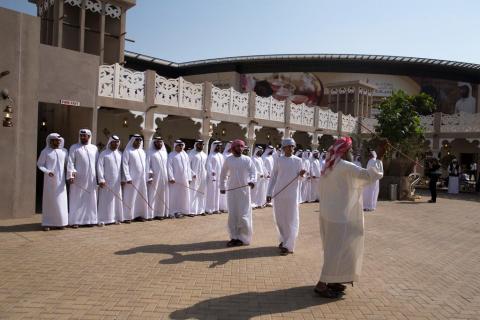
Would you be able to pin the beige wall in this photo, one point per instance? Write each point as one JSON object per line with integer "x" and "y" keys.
{"x": 20, "y": 35}
{"x": 67, "y": 74}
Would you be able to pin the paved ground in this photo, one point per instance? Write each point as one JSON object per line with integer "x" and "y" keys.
{"x": 422, "y": 261}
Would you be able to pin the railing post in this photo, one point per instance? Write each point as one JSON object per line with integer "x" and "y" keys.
{"x": 150, "y": 89}
{"x": 206, "y": 114}
{"x": 288, "y": 109}
{"x": 116, "y": 80}
{"x": 339, "y": 127}
{"x": 180, "y": 91}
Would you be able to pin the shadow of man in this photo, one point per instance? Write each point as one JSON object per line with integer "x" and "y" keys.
{"x": 29, "y": 227}
{"x": 252, "y": 304}
{"x": 177, "y": 252}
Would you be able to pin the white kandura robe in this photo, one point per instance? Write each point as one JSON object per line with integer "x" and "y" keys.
{"x": 158, "y": 188}
{"x": 306, "y": 183}
{"x": 54, "y": 200}
{"x": 268, "y": 162}
{"x": 223, "y": 197}
{"x": 109, "y": 170}
{"x": 198, "y": 162}
{"x": 236, "y": 172}
{"x": 370, "y": 191}
{"x": 178, "y": 169}
{"x": 214, "y": 168}
{"x": 259, "y": 193}
{"x": 341, "y": 220}
{"x": 285, "y": 203}
{"x": 134, "y": 170}
{"x": 82, "y": 161}
{"x": 453, "y": 179}
{"x": 315, "y": 173}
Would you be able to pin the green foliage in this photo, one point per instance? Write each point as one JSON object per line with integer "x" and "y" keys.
{"x": 399, "y": 121}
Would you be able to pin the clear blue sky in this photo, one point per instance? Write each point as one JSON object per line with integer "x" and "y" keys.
{"x": 185, "y": 30}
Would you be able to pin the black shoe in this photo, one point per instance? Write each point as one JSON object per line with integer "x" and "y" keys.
{"x": 285, "y": 252}
{"x": 231, "y": 243}
{"x": 337, "y": 287}
{"x": 127, "y": 221}
{"x": 280, "y": 246}
{"x": 432, "y": 201}
{"x": 238, "y": 242}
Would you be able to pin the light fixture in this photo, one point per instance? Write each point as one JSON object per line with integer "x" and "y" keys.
{"x": 224, "y": 132}
{"x": 268, "y": 136}
{"x": 7, "y": 116}
{"x": 125, "y": 123}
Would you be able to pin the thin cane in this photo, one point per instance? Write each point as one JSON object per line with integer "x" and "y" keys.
{"x": 81, "y": 188}
{"x": 141, "y": 196}
{"x": 116, "y": 195}
{"x": 196, "y": 190}
{"x": 247, "y": 185}
{"x": 388, "y": 142}
{"x": 276, "y": 194}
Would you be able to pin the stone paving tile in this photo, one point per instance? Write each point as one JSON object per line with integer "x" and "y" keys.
{"x": 422, "y": 261}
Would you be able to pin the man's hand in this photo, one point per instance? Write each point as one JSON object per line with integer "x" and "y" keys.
{"x": 102, "y": 184}
{"x": 171, "y": 181}
{"x": 51, "y": 174}
{"x": 194, "y": 176}
{"x": 71, "y": 180}
{"x": 261, "y": 176}
{"x": 251, "y": 184}
{"x": 302, "y": 172}
{"x": 269, "y": 199}
{"x": 313, "y": 177}
{"x": 213, "y": 174}
{"x": 122, "y": 183}
{"x": 129, "y": 182}
{"x": 222, "y": 191}
{"x": 150, "y": 181}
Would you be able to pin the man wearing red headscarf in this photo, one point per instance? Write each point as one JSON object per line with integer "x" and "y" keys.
{"x": 237, "y": 178}
{"x": 341, "y": 217}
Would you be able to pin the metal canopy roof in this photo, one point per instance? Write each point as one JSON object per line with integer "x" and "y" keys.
{"x": 353, "y": 63}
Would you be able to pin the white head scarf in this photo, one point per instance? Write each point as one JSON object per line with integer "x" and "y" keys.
{"x": 374, "y": 154}
{"x": 85, "y": 131}
{"x": 213, "y": 147}
{"x": 152, "y": 149}
{"x": 269, "y": 151}
{"x": 52, "y": 136}
{"x": 226, "y": 151}
{"x": 176, "y": 143}
{"x": 195, "y": 146}
{"x": 258, "y": 148}
{"x": 132, "y": 139}
{"x": 306, "y": 154}
{"x": 113, "y": 138}
{"x": 466, "y": 84}
{"x": 299, "y": 153}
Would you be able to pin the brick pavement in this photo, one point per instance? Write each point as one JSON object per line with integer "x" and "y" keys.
{"x": 422, "y": 261}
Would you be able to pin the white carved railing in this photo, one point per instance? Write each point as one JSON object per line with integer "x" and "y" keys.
{"x": 302, "y": 114}
{"x": 269, "y": 109}
{"x": 166, "y": 91}
{"x": 229, "y": 101}
{"x": 327, "y": 119}
{"x": 349, "y": 123}
{"x": 118, "y": 82}
{"x": 191, "y": 94}
{"x": 460, "y": 122}
{"x": 427, "y": 123}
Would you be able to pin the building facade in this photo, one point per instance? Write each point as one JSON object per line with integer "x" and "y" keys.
{"x": 68, "y": 69}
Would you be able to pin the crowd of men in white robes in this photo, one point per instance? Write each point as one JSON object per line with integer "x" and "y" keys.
{"x": 139, "y": 185}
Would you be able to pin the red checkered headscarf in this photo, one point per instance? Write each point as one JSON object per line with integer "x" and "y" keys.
{"x": 335, "y": 153}
{"x": 237, "y": 142}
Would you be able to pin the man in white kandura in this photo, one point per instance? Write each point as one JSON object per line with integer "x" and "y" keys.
{"x": 268, "y": 161}
{"x": 179, "y": 177}
{"x": 109, "y": 172}
{"x": 236, "y": 180}
{"x": 453, "y": 177}
{"x": 135, "y": 181}
{"x": 52, "y": 162}
{"x": 306, "y": 183}
{"x": 198, "y": 165}
{"x": 370, "y": 191}
{"x": 214, "y": 168}
{"x": 315, "y": 173}
{"x": 341, "y": 218}
{"x": 259, "y": 192}
{"x": 81, "y": 174}
{"x": 157, "y": 179}
{"x": 284, "y": 188}
{"x": 223, "y": 197}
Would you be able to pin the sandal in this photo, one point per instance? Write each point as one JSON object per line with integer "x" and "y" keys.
{"x": 327, "y": 293}
{"x": 337, "y": 287}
